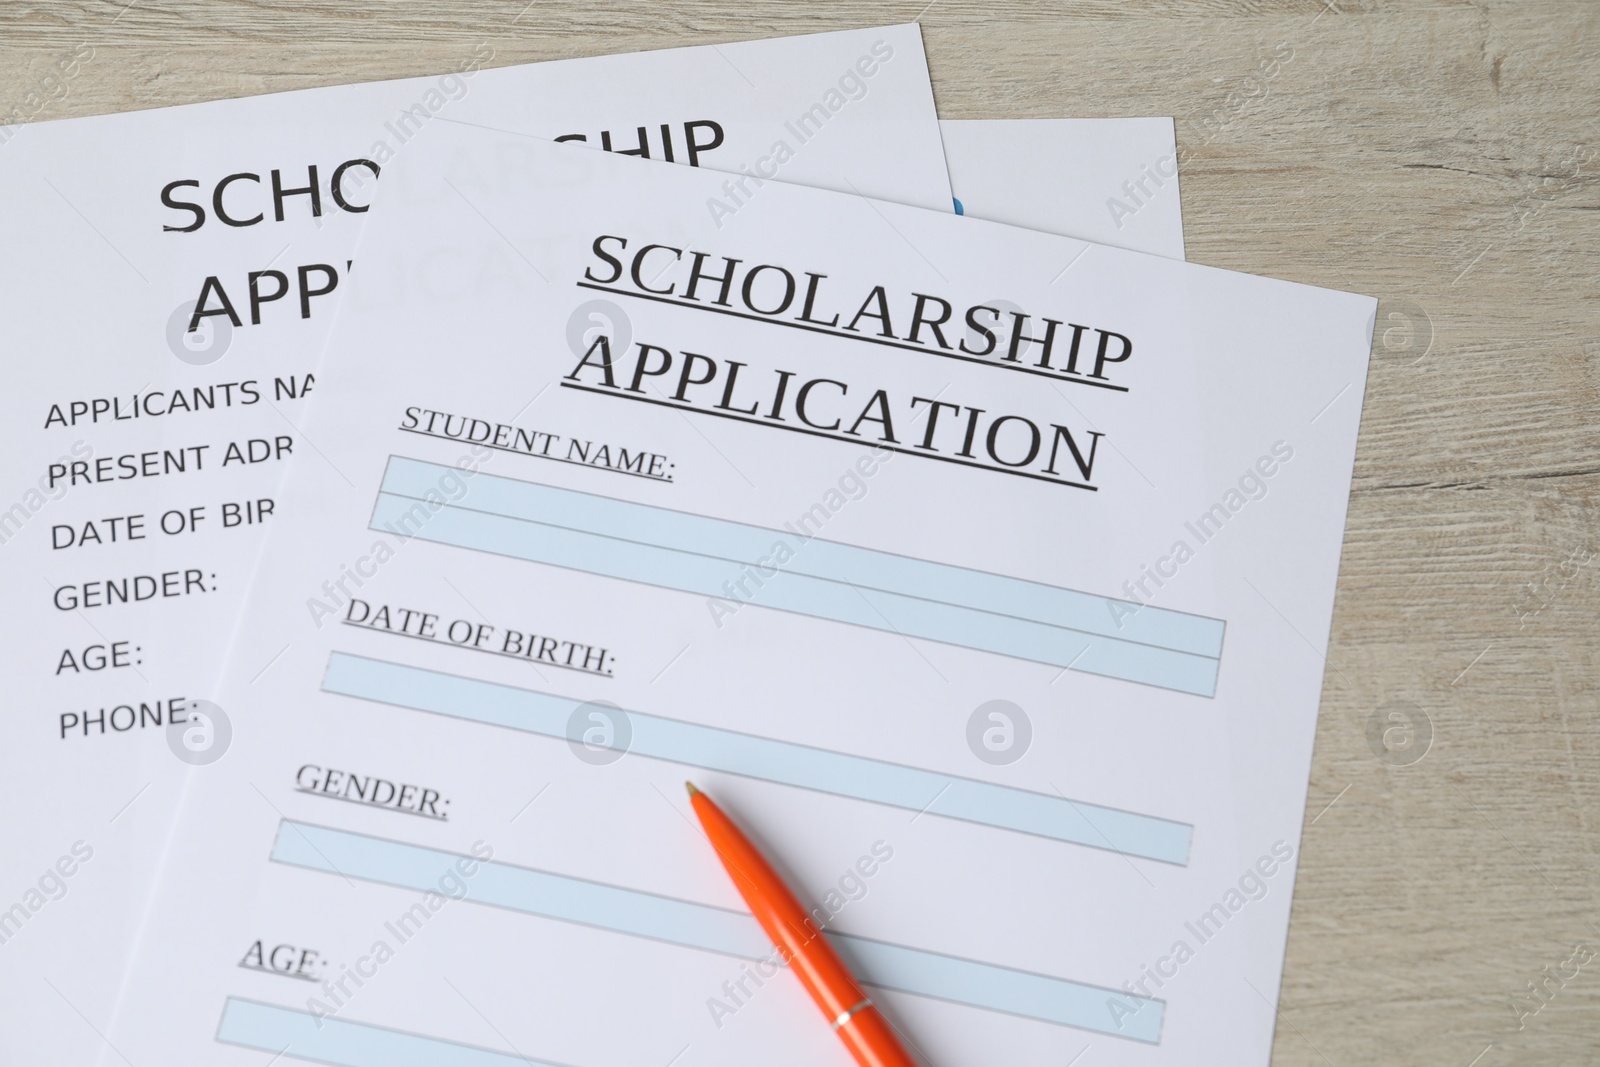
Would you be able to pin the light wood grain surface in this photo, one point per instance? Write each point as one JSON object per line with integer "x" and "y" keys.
{"x": 1439, "y": 154}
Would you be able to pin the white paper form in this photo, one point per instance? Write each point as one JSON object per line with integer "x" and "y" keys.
{"x": 143, "y": 456}
{"x": 1003, "y": 636}
{"x": 1111, "y": 181}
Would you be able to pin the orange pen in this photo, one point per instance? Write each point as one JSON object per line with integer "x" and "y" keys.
{"x": 857, "y": 1021}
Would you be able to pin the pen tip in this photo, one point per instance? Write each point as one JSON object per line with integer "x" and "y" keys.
{"x": 692, "y": 790}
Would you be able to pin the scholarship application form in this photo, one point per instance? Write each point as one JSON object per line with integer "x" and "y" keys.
{"x": 983, "y": 574}
{"x": 170, "y": 281}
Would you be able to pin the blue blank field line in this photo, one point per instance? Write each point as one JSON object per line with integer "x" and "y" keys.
{"x": 290, "y": 1032}
{"x": 767, "y": 759}
{"x": 711, "y": 929}
{"x": 823, "y": 579}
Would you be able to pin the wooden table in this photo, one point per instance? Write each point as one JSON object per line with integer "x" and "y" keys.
{"x": 1439, "y": 154}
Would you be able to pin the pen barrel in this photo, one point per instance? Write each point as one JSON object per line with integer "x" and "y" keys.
{"x": 801, "y": 944}
{"x": 812, "y": 959}
{"x": 871, "y": 1040}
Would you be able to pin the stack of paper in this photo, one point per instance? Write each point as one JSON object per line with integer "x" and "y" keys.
{"x": 412, "y": 483}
